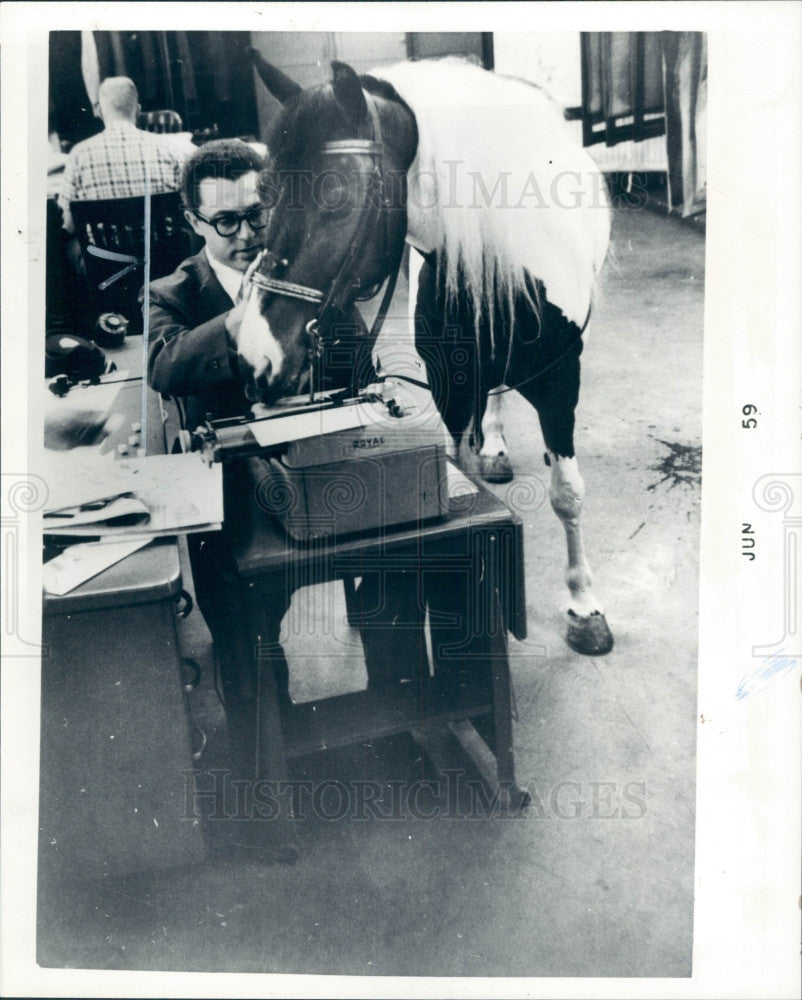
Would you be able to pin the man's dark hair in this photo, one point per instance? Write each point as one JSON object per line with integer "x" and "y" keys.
{"x": 226, "y": 158}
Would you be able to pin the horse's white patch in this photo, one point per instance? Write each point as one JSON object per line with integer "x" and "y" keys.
{"x": 415, "y": 266}
{"x": 567, "y": 487}
{"x": 424, "y": 231}
{"x": 567, "y": 494}
{"x": 493, "y": 442}
{"x": 255, "y": 342}
{"x": 500, "y": 187}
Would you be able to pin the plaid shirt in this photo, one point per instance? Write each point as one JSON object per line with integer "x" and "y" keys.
{"x": 112, "y": 164}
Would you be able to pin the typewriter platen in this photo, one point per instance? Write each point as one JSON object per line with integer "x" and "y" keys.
{"x": 338, "y": 465}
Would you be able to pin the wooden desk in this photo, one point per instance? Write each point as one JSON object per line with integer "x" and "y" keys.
{"x": 468, "y": 570}
{"x": 115, "y": 733}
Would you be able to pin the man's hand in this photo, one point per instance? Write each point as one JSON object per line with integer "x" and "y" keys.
{"x": 235, "y": 317}
{"x": 66, "y": 429}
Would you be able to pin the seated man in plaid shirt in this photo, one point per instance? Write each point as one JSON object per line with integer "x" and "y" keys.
{"x": 116, "y": 162}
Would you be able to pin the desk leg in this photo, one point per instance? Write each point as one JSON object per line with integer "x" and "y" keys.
{"x": 469, "y": 643}
{"x": 511, "y": 797}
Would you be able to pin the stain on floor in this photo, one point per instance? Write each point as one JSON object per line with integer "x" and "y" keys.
{"x": 682, "y": 466}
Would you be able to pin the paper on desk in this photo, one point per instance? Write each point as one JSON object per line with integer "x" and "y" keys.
{"x": 80, "y": 563}
{"x": 296, "y": 426}
{"x": 75, "y": 478}
{"x": 117, "y": 515}
{"x": 181, "y": 492}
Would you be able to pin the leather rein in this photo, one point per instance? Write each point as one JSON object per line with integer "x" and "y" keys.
{"x": 343, "y": 287}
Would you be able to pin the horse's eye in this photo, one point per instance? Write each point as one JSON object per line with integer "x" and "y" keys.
{"x": 332, "y": 196}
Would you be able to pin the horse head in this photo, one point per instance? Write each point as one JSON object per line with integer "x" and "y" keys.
{"x": 336, "y": 189}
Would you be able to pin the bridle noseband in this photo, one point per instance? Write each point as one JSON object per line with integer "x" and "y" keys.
{"x": 343, "y": 289}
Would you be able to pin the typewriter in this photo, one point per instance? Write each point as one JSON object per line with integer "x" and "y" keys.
{"x": 337, "y": 464}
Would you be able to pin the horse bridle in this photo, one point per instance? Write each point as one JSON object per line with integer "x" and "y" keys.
{"x": 343, "y": 287}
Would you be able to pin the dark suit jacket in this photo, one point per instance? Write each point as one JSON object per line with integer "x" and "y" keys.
{"x": 191, "y": 355}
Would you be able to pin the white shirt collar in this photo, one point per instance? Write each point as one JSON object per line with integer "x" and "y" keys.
{"x": 229, "y": 278}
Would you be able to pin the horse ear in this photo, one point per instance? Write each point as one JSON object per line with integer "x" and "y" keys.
{"x": 348, "y": 92}
{"x": 279, "y": 85}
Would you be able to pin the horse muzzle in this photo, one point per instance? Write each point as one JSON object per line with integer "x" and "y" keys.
{"x": 270, "y": 385}
{"x": 258, "y": 389}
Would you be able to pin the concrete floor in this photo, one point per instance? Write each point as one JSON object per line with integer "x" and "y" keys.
{"x": 596, "y": 877}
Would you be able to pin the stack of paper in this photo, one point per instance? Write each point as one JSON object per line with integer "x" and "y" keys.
{"x": 112, "y": 515}
{"x": 121, "y": 506}
{"x": 151, "y": 496}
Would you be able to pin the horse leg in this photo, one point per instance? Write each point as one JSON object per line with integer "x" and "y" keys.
{"x": 494, "y": 460}
{"x": 555, "y": 401}
{"x": 449, "y": 355}
{"x": 429, "y": 328}
{"x": 588, "y": 631}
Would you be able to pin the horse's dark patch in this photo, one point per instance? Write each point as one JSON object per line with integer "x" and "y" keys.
{"x": 681, "y": 466}
{"x": 308, "y": 120}
{"x": 314, "y": 117}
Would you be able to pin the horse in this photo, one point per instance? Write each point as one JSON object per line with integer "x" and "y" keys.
{"x": 511, "y": 218}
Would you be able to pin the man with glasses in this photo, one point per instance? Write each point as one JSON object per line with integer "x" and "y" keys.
{"x": 195, "y": 315}
{"x": 196, "y": 312}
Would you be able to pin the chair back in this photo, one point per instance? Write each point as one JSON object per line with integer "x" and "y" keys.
{"x": 111, "y": 234}
{"x": 161, "y": 121}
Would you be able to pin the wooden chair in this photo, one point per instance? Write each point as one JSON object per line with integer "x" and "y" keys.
{"x": 111, "y": 234}
{"x": 161, "y": 121}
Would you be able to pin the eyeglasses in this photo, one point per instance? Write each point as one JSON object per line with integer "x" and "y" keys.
{"x": 228, "y": 223}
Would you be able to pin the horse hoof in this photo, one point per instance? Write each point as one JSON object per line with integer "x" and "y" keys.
{"x": 589, "y": 635}
{"x": 495, "y": 468}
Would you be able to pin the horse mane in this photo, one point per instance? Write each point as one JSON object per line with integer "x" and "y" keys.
{"x": 380, "y": 88}
{"x": 516, "y": 197}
